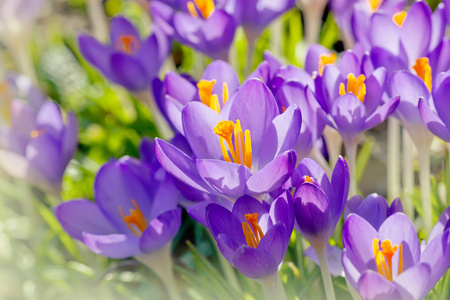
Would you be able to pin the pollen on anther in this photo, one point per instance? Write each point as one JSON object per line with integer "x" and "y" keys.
{"x": 224, "y": 129}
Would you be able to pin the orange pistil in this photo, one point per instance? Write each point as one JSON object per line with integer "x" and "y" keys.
{"x": 128, "y": 44}
{"x": 136, "y": 218}
{"x": 324, "y": 60}
{"x": 399, "y": 18}
{"x": 36, "y": 133}
{"x": 423, "y": 70}
{"x": 355, "y": 86}
{"x": 206, "y": 8}
{"x": 241, "y": 150}
{"x": 252, "y": 231}
{"x": 383, "y": 257}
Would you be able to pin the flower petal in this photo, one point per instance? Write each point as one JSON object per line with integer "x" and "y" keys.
{"x": 254, "y": 263}
{"x": 117, "y": 246}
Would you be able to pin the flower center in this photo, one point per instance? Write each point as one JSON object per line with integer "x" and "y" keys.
{"x": 383, "y": 257}
{"x": 128, "y": 44}
{"x": 36, "y": 133}
{"x": 324, "y": 60}
{"x": 135, "y": 221}
{"x": 355, "y": 86}
{"x": 308, "y": 179}
{"x": 206, "y": 8}
{"x": 252, "y": 231}
{"x": 374, "y": 4}
{"x": 423, "y": 70}
{"x": 205, "y": 88}
{"x": 241, "y": 151}
{"x": 399, "y": 18}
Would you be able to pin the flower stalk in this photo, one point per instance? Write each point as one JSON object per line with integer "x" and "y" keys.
{"x": 393, "y": 158}
{"x": 350, "y": 151}
{"x": 273, "y": 288}
{"x": 325, "y": 271}
{"x": 408, "y": 174}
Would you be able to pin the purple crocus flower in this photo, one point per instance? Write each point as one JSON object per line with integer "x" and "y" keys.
{"x": 135, "y": 212}
{"x": 318, "y": 203}
{"x": 415, "y": 34}
{"x": 217, "y": 85}
{"x": 253, "y": 236}
{"x": 129, "y": 60}
{"x": 38, "y": 145}
{"x": 434, "y": 111}
{"x": 374, "y": 208}
{"x": 387, "y": 263}
{"x": 245, "y": 149}
{"x": 206, "y": 25}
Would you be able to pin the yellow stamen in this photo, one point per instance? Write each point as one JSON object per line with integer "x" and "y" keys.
{"x": 253, "y": 234}
{"x": 374, "y": 4}
{"x": 241, "y": 150}
{"x": 423, "y": 70}
{"x": 225, "y": 93}
{"x": 36, "y": 133}
{"x": 205, "y": 88}
{"x": 206, "y": 8}
{"x": 129, "y": 44}
{"x": 324, "y": 60}
{"x": 214, "y": 104}
{"x": 399, "y": 18}
{"x": 355, "y": 86}
{"x": 383, "y": 257}
{"x": 135, "y": 218}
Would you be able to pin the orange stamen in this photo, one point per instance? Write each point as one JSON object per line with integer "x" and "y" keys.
{"x": 399, "y": 18}
{"x": 253, "y": 234}
{"x": 374, "y": 4}
{"x": 128, "y": 43}
{"x": 135, "y": 218}
{"x": 206, "y": 8}
{"x": 383, "y": 257}
{"x": 324, "y": 60}
{"x": 423, "y": 70}
{"x": 36, "y": 133}
{"x": 308, "y": 179}
{"x": 241, "y": 150}
{"x": 355, "y": 86}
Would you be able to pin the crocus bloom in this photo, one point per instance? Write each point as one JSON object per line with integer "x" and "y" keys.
{"x": 38, "y": 145}
{"x": 135, "y": 212}
{"x": 387, "y": 263}
{"x": 318, "y": 203}
{"x": 253, "y": 236}
{"x": 412, "y": 35}
{"x": 205, "y": 25}
{"x": 244, "y": 149}
{"x": 434, "y": 111}
{"x": 374, "y": 208}
{"x": 217, "y": 85}
{"x": 129, "y": 60}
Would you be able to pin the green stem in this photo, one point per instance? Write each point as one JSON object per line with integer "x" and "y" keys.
{"x": 393, "y": 159}
{"x": 160, "y": 262}
{"x": 273, "y": 288}
{"x": 425, "y": 189}
{"x": 227, "y": 268}
{"x": 325, "y": 271}
{"x": 251, "y": 45}
{"x": 97, "y": 19}
{"x": 23, "y": 61}
{"x": 352, "y": 290}
{"x": 350, "y": 151}
{"x": 334, "y": 143}
{"x": 312, "y": 14}
{"x": 408, "y": 174}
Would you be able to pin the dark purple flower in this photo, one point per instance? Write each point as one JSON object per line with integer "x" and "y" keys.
{"x": 246, "y": 149}
{"x": 374, "y": 208}
{"x": 318, "y": 203}
{"x": 38, "y": 145}
{"x": 253, "y": 236}
{"x": 435, "y": 111}
{"x": 135, "y": 210}
{"x": 388, "y": 264}
{"x": 129, "y": 60}
{"x": 206, "y": 25}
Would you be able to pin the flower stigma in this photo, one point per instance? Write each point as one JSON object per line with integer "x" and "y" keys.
{"x": 399, "y": 18}
{"x": 206, "y": 8}
{"x": 355, "y": 86}
{"x": 383, "y": 257}
{"x": 241, "y": 151}
{"x": 252, "y": 231}
{"x": 135, "y": 221}
{"x": 128, "y": 44}
{"x": 205, "y": 88}
{"x": 423, "y": 70}
{"x": 324, "y": 60}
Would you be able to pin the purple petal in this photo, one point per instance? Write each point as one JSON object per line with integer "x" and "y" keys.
{"x": 432, "y": 122}
{"x": 282, "y": 210}
{"x": 349, "y": 64}
{"x": 254, "y": 263}
{"x": 219, "y": 220}
{"x": 97, "y": 54}
{"x": 179, "y": 88}
{"x": 116, "y": 246}
{"x": 311, "y": 168}
{"x": 357, "y": 238}
{"x": 119, "y": 27}
{"x": 349, "y": 114}
{"x": 396, "y": 206}
{"x": 374, "y": 209}
{"x": 49, "y": 119}
{"x": 340, "y": 183}
{"x": 373, "y": 286}
{"x": 439, "y": 60}
{"x": 380, "y": 25}
{"x": 272, "y": 175}
{"x": 351, "y": 205}
{"x": 331, "y": 80}
{"x": 375, "y": 86}
{"x": 78, "y": 216}
{"x": 313, "y": 56}
{"x": 438, "y": 22}
{"x": 440, "y": 97}
{"x": 440, "y": 224}
{"x": 160, "y": 231}
{"x": 412, "y": 284}
{"x": 218, "y": 31}
{"x": 225, "y": 177}
{"x": 275, "y": 241}
{"x": 383, "y": 58}
{"x": 381, "y": 113}
{"x": 129, "y": 72}
{"x": 222, "y": 72}
{"x": 70, "y": 138}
